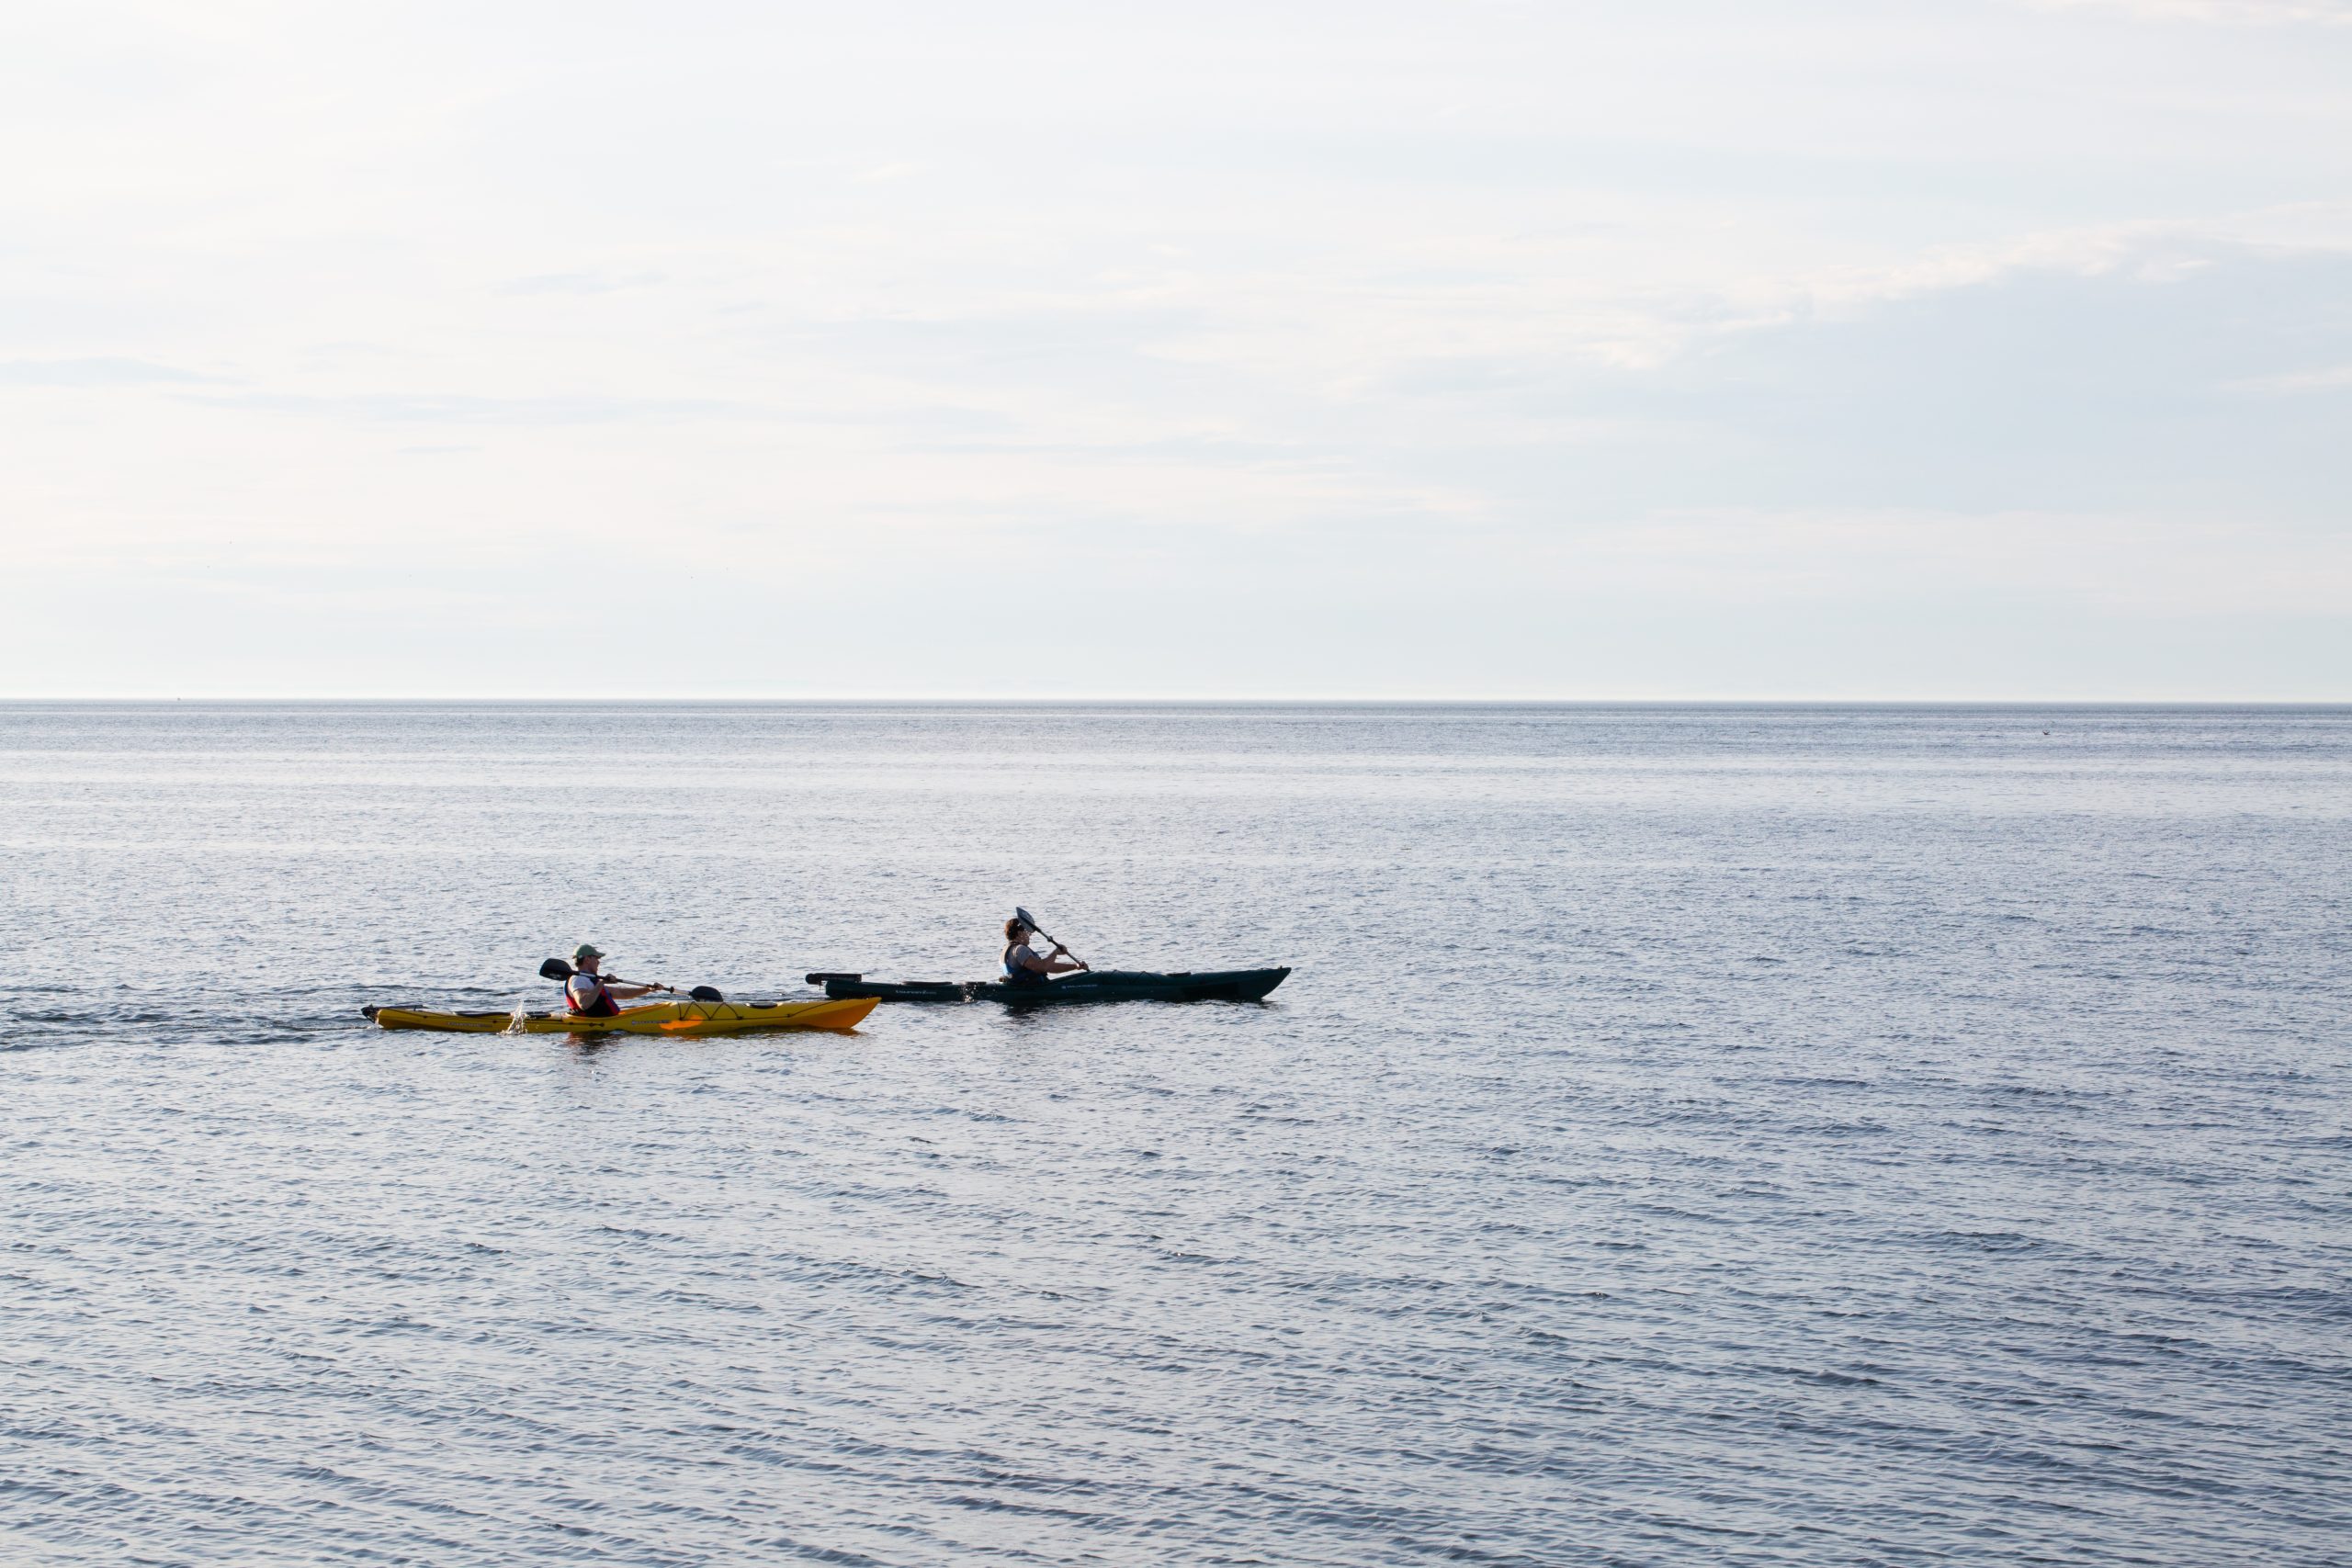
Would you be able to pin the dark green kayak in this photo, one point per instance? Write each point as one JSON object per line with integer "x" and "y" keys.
{"x": 1088, "y": 986}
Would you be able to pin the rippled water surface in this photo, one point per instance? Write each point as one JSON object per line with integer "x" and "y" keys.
{"x": 1741, "y": 1136}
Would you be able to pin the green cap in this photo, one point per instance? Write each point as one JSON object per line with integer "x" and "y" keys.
{"x": 584, "y": 950}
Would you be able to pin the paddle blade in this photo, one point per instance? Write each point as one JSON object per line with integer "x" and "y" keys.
{"x": 1026, "y": 918}
{"x": 555, "y": 969}
{"x": 705, "y": 994}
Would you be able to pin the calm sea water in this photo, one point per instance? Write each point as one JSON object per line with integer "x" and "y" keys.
{"x": 1736, "y": 1136}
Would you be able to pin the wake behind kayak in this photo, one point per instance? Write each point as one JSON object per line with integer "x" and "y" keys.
{"x": 1087, "y": 986}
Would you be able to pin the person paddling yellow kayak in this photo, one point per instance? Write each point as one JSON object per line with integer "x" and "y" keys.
{"x": 589, "y": 995}
{"x": 592, "y": 1007}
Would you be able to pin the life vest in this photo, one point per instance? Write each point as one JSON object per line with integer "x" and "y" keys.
{"x": 603, "y": 1006}
{"x": 1017, "y": 975}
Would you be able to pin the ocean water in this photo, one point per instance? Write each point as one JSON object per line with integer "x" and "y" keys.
{"x": 1692, "y": 1137}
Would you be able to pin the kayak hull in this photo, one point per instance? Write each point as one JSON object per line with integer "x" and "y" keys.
{"x": 1088, "y": 986}
{"x": 686, "y": 1018}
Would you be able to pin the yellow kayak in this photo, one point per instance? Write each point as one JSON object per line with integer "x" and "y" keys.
{"x": 659, "y": 1018}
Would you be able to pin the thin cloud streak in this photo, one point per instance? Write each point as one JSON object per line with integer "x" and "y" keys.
{"x": 97, "y": 372}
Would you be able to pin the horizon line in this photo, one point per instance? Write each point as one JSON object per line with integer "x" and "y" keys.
{"x": 1163, "y": 700}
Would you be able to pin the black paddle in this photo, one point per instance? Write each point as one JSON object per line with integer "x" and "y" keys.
{"x": 1026, "y": 918}
{"x": 557, "y": 969}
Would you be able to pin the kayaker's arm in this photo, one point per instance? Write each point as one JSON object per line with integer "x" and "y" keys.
{"x": 620, "y": 992}
{"x": 1054, "y": 963}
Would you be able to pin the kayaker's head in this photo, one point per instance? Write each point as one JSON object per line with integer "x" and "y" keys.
{"x": 585, "y": 958}
{"x": 1014, "y": 930}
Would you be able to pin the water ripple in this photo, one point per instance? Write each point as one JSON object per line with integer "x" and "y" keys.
{"x": 1751, "y": 1137}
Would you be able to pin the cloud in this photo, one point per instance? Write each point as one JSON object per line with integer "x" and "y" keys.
{"x": 2113, "y": 562}
{"x": 94, "y": 373}
{"x": 2271, "y": 13}
{"x": 578, "y": 283}
{"x": 2299, "y": 383}
{"x": 467, "y": 408}
{"x": 2107, "y": 388}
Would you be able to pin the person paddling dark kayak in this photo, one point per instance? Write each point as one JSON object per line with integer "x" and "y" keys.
{"x": 590, "y": 995}
{"x": 1021, "y": 965}
{"x": 1057, "y": 977}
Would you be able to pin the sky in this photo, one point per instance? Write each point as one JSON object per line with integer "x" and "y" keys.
{"x": 1678, "y": 350}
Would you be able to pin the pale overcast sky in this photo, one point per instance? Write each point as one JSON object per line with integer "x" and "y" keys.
{"x": 1677, "y": 349}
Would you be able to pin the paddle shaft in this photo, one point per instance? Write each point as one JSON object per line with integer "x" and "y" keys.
{"x": 557, "y": 969}
{"x": 649, "y": 984}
